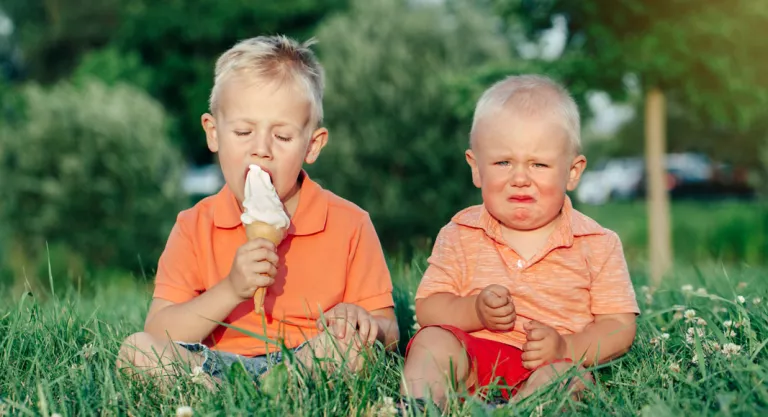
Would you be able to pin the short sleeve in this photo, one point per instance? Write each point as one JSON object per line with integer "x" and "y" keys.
{"x": 369, "y": 284}
{"x": 612, "y": 291}
{"x": 178, "y": 279}
{"x": 444, "y": 270}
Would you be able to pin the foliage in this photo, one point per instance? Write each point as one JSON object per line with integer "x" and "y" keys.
{"x": 172, "y": 44}
{"x": 706, "y": 56}
{"x": 397, "y": 142}
{"x": 89, "y": 167}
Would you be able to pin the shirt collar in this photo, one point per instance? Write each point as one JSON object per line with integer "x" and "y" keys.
{"x": 310, "y": 216}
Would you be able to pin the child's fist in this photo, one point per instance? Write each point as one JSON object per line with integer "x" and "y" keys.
{"x": 495, "y": 309}
{"x": 255, "y": 266}
{"x": 544, "y": 345}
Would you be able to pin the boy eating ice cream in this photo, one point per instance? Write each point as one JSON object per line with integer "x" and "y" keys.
{"x": 315, "y": 254}
{"x": 522, "y": 286}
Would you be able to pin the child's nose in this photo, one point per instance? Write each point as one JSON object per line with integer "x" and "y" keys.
{"x": 261, "y": 147}
{"x": 519, "y": 177}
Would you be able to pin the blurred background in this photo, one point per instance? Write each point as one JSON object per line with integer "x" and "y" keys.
{"x": 100, "y": 102}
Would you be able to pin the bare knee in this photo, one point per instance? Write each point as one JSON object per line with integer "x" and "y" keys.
{"x": 436, "y": 342}
{"x": 140, "y": 350}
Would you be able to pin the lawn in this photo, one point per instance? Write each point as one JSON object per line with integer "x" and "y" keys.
{"x": 700, "y": 350}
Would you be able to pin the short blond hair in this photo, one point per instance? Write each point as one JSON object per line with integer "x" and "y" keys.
{"x": 277, "y": 58}
{"x": 532, "y": 94}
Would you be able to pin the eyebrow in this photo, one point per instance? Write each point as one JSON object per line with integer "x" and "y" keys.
{"x": 278, "y": 123}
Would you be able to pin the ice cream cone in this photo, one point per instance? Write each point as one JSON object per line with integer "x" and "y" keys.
{"x": 273, "y": 234}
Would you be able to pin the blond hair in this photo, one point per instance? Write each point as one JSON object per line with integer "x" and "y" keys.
{"x": 532, "y": 94}
{"x": 277, "y": 58}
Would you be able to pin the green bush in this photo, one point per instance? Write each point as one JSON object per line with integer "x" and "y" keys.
{"x": 87, "y": 170}
{"x": 397, "y": 142}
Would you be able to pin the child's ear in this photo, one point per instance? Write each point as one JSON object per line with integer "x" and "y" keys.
{"x": 473, "y": 165}
{"x": 211, "y": 135}
{"x": 316, "y": 144}
{"x": 578, "y": 165}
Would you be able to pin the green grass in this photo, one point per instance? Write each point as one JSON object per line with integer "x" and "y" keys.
{"x": 57, "y": 356}
{"x": 730, "y": 232}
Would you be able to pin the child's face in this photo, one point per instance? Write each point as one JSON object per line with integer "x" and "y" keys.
{"x": 524, "y": 164}
{"x": 264, "y": 123}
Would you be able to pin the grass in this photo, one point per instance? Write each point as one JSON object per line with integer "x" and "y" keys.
{"x": 725, "y": 231}
{"x": 57, "y": 356}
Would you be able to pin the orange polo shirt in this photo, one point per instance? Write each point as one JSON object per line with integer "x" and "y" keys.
{"x": 581, "y": 271}
{"x": 331, "y": 255}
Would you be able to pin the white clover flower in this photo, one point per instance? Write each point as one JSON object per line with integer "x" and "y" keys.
{"x": 741, "y": 299}
{"x": 715, "y": 346}
{"x": 654, "y": 341}
{"x": 689, "y": 338}
{"x": 386, "y": 408}
{"x": 701, "y": 322}
{"x": 730, "y": 333}
{"x": 88, "y": 350}
{"x": 743, "y": 322}
{"x": 702, "y": 292}
{"x": 695, "y": 359}
{"x": 731, "y": 349}
{"x": 687, "y": 288}
{"x": 689, "y": 315}
{"x": 677, "y": 316}
{"x": 648, "y": 298}
{"x": 198, "y": 375}
{"x": 757, "y": 300}
{"x": 674, "y": 367}
{"x": 645, "y": 289}
{"x": 665, "y": 336}
{"x": 184, "y": 411}
{"x": 727, "y": 324}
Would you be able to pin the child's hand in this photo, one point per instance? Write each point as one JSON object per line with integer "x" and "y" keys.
{"x": 544, "y": 345}
{"x": 254, "y": 266}
{"x": 495, "y": 308}
{"x": 344, "y": 320}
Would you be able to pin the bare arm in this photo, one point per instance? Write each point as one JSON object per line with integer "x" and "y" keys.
{"x": 389, "y": 332}
{"x": 450, "y": 309}
{"x": 610, "y": 336}
{"x": 186, "y": 322}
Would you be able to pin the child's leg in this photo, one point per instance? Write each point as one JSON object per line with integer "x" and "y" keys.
{"x": 432, "y": 353}
{"x": 550, "y": 373}
{"x": 330, "y": 352}
{"x": 141, "y": 354}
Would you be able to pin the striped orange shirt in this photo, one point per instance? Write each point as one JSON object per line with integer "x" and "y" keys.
{"x": 581, "y": 271}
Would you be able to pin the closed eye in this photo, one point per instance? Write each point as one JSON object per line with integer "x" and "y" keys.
{"x": 502, "y": 163}
{"x": 537, "y": 165}
{"x": 283, "y": 138}
{"x": 242, "y": 133}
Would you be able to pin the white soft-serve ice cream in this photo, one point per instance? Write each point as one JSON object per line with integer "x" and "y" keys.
{"x": 263, "y": 216}
{"x": 262, "y": 203}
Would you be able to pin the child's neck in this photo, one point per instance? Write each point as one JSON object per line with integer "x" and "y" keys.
{"x": 291, "y": 202}
{"x": 527, "y": 243}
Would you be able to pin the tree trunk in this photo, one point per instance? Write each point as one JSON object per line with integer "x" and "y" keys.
{"x": 659, "y": 234}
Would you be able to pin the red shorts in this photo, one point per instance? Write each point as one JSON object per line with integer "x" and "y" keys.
{"x": 494, "y": 362}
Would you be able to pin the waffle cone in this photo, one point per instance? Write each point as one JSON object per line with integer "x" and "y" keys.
{"x": 266, "y": 231}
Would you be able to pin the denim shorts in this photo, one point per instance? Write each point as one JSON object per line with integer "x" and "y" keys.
{"x": 216, "y": 363}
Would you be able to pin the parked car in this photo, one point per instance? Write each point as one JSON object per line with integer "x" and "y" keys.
{"x": 689, "y": 175}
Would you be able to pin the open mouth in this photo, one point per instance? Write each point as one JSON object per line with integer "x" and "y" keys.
{"x": 248, "y": 169}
